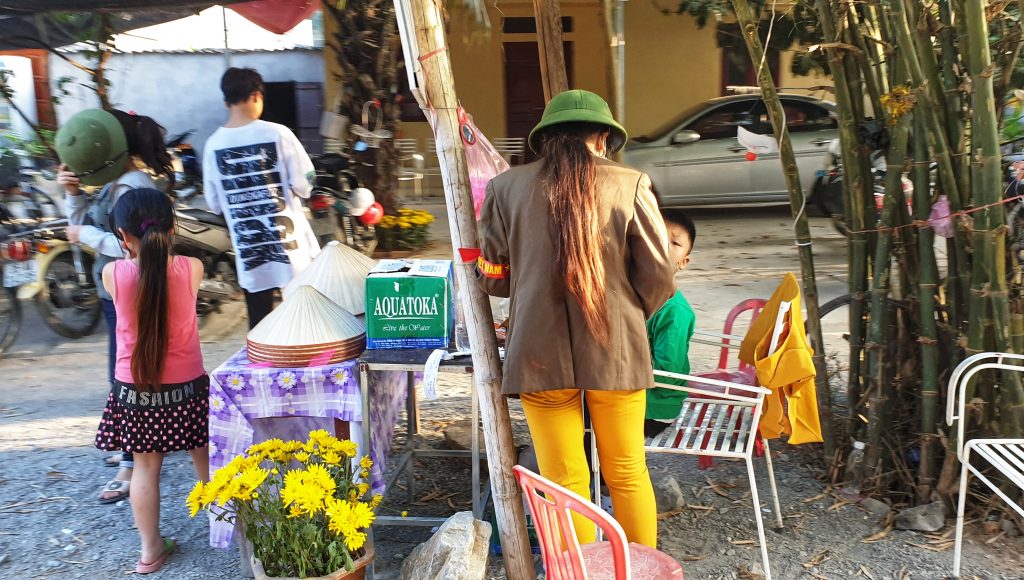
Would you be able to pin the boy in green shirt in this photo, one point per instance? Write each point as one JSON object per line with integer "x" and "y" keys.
{"x": 670, "y": 329}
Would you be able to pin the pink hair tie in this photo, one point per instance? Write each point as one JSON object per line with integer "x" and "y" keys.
{"x": 148, "y": 224}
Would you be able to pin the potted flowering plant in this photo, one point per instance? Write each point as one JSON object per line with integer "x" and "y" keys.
{"x": 304, "y": 507}
{"x": 409, "y": 229}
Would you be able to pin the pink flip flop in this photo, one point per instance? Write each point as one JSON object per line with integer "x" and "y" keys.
{"x": 143, "y": 568}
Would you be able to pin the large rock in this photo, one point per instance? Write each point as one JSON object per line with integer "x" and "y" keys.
{"x": 667, "y": 492}
{"x": 458, "y": 551}
{"x": 923, "y": 518}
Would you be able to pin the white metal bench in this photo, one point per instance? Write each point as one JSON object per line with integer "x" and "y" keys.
{"x": 1004, "y": 455}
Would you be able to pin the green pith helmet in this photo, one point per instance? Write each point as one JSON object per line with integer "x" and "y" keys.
{"x": 579, "y": 106}
{"x": 93, "y": 145}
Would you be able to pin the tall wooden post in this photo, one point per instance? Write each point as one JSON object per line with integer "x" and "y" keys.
{"x": 437, "y": 88}
{"x": 549, "y": 44}
{"x": 748, "y": 24}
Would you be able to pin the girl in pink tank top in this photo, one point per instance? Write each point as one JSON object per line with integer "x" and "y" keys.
{"x": 159, "y": 401}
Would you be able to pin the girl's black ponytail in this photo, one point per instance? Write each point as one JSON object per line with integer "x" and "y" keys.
{"x": 148, "y": 215}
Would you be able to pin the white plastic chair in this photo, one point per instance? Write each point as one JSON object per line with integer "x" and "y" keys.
{"x": 720, "y": 419}
{"x": 1005, "y": 455}
{"x": 410, "y": 164}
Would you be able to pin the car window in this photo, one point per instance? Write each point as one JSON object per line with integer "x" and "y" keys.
{"x": 721, "y": 123}
{"x": 802, "y": 117}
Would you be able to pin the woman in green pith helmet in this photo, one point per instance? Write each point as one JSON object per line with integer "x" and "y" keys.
{"x": 106, "y": 148}
{"x": 577, "y": 243}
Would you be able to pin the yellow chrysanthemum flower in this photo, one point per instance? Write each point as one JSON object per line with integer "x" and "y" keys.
{"x": 229, "y": 491}
{"x": 365, "y": 473}
{"x": 319, "y": 476}
{"x": 252, "y": 478}
{"x": 376, "y": 500}
{"x": 194, "y": 500}
{"x": 332, "y": 458}
{"x": 363, "y": 488}
{"x": 291, "y": 446}
{"x": 366, "y": 462}
{"x": 302, "y": 456}
{"x": 355, "y": 541}
{"x": 362, "y": 515}
{"x": 347, "y": 448}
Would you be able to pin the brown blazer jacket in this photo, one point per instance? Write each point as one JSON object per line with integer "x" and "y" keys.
{"x": 549, "y": 345}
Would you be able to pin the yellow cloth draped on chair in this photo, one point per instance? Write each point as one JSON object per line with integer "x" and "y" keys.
{"x": 788, "y": 371}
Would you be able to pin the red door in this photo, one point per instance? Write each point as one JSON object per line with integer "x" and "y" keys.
{"x": 524, "y": 89}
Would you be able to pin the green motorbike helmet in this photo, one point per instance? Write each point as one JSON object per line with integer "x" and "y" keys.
{"x": 93, "y": 145}
{"x": 579, "y": 106}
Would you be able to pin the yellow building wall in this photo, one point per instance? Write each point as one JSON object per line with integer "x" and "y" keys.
{"x": 670, "y": 64}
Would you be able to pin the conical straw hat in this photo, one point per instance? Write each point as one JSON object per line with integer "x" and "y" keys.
{"x": 304, "y": 327}
{"x": 339, "y": 273}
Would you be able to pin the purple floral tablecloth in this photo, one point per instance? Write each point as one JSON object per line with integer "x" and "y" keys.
{"x": 242, "y": 392}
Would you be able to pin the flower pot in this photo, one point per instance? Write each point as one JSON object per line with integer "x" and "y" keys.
{"x": 357, "y": 573}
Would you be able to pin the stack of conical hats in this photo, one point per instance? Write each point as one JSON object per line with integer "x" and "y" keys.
{"x": 306, "y": 327}
{"x": 339, "y": 273}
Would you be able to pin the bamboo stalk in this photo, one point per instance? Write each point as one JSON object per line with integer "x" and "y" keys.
{"x": 927, "y": 283}
{"x": 927, "y": 99}
{"x": 748, "y": 23}
{"x": 435, "y": 76}
{"x": 986, "y": 181}
{"x": 877, "y": 385}
{"x": 853, "y": 181}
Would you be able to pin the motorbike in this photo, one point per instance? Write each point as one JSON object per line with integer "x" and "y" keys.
{"x": 204, "y": 235}
{"x": 15, "y": 257}
{"x": 332, "y": 200}
{"x": 827, "y": 192}
{"x": 59, "y": 280}
{"x": 188, "y": 175}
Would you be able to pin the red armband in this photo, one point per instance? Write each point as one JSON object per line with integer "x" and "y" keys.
{"x": 489, "y": 269}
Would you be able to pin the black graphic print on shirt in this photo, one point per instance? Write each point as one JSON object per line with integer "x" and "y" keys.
{"x": 254, "y": 191}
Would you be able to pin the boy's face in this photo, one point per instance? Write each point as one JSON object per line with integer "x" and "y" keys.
{"x": 678, "y": 246}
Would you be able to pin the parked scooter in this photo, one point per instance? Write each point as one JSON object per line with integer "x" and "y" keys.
{"x": 827, "y": 192}
{"x": 14, "y": 255}
{"x": 188, "y": 175}
{"x": 59, "y": 280}
{"x": 204, "y": 235}
{"x": 336, "y": 202}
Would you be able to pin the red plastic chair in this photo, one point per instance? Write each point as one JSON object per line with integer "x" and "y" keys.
{"x": 608, "y": 560}
{"x": 744, "y": 373}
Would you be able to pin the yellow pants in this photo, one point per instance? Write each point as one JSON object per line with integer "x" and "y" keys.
{"x": 556, "y": 425}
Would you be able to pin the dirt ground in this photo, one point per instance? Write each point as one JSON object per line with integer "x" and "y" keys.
{"x": 52, "y": 527}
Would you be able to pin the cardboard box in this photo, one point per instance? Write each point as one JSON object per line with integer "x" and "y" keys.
{"x": 409, "y": 304}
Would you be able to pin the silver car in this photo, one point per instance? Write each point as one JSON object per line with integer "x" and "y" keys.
{"x": 696, "y": 159}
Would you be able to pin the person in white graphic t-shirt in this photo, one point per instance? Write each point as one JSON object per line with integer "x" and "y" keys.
{"x": 254, "y": 173}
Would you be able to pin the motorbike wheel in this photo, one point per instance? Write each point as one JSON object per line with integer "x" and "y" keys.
{"x": 69, "y": 308}
{"x": 10, "y": 318}
{"x": 830, "y": 201}
{"x": 45, "y": 208}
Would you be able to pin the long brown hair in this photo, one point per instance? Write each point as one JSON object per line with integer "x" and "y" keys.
{"x": 148, "y": 215}
{"x": 145, "y": 139}
{"x": 569, "y": 174}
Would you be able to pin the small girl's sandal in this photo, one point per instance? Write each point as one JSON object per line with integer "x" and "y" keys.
{"x": 155, "y": 565}
{"x": 112, "y": 460}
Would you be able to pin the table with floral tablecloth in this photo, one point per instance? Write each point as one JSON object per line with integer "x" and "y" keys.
{"x": 242, "y": 392}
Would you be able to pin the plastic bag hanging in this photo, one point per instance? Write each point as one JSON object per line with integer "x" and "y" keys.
{"x": 485, "y": 163}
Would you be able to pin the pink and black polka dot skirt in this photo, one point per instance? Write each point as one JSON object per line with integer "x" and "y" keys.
{"x": 174, "y": 419}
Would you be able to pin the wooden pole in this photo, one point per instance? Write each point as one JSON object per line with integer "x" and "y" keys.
{"x": 748, "y": 24}
{"x": 438, "y": 92}
{"x": 550, "y": 46}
